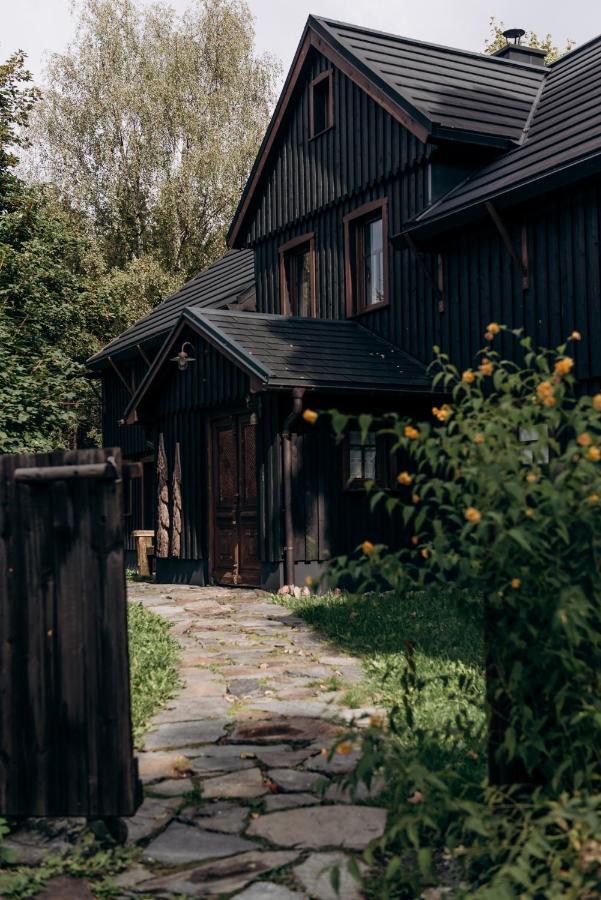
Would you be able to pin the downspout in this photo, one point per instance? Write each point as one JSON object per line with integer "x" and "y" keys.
{"x": 297, "y": 405}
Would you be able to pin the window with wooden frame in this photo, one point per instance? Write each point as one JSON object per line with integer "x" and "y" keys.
{"x": 321, "y": 102}
{"x": 297, "y": 277}
{"x": 366, "y": 257}
{"x": 366, "y": 459}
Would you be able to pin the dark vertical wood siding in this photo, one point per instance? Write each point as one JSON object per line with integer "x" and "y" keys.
{"x": 311, "y": 184}
{"x": 115, "y": 397}
{"x": 483, "y": 283}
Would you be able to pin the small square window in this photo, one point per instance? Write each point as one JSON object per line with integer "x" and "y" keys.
{"x": 322, "y": 113}
{"x": 361, "y": 459}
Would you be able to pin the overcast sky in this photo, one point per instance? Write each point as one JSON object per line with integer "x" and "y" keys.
{"x": 42, "y": 26}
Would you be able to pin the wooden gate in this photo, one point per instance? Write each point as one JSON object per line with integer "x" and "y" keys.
{"x": 65, "y": 724}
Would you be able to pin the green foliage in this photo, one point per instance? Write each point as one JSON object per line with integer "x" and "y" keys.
{"x": 17, "y": 97}
{"x": 501, "y": 497}
{"x": 530, "y": 39}
{"x": 445, "y": 636}
{"x": 153, "y": 663}
{"x": 96, "y": 866}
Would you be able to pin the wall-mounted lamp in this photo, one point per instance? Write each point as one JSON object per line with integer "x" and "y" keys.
{"x": 183, "y": 358}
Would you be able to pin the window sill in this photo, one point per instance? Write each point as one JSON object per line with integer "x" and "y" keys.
{"x": 368, "y": 309}
{"x": 319, "y": 134}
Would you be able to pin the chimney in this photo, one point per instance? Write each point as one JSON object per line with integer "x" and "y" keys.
{"x": 515, "y": 52}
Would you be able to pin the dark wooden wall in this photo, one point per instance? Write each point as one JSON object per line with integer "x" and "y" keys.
{"x": 115, "y": 397}
{"x": 483, "y": 284}
{"x": 309, "y": 186}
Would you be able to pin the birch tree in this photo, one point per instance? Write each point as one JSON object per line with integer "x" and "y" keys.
{"x": 149, "y": 125}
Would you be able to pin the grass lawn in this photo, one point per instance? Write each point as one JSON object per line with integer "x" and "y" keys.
{"x": 153, "y": 661}
{"x": 446, "y": 634}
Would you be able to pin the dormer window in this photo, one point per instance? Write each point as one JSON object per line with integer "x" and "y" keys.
{"x": 322, "y": 103}
{"x": 297, "y": 276}
{"x": 366, "y": 252}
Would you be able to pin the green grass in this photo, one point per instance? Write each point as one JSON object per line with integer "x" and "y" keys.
{"x": 153, "y": 661}
{"x": 446, "y": 634}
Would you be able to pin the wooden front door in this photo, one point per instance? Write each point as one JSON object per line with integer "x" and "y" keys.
{"x": 235, "y": 556}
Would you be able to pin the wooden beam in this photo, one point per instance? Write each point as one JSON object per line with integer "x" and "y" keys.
{"x": 522, "y": 263}
{"x": 143, "y": 355}
{"x": 121, "y": 377}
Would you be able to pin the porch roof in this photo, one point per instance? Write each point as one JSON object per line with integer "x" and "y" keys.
{"x": 280, "y": 352}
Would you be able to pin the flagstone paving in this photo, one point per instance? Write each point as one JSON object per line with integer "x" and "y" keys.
{"x": 248, "y": 739}
{"x": 241, "y": 797}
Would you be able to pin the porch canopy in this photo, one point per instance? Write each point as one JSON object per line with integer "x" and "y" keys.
{"x": 285, "y": 352}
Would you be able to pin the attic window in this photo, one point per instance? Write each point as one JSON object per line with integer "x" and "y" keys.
{"x": 322, "y": 109}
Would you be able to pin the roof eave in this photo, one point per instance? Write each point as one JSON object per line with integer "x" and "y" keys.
{"x": 512, "y": 196}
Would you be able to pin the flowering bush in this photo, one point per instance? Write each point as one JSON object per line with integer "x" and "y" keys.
{"x": 501, "y": 498}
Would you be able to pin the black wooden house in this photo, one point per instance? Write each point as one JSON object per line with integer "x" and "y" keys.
{"x": 404, "y": 195}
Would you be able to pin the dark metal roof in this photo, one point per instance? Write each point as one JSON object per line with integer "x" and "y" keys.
{"x": 215, "y": 286}
{"x": 455, "y": 93}
{"x": 281, "y": 352}
{"x": 564, "y": 135}
{"x": 433, "y": 90}
{"x": 284, "y": 351}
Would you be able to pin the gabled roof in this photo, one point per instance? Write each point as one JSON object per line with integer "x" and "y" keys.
{"x": 216, "y": 286}
{"x": 433, "y": 91}
{"x": 563, "y": 141}
{"x": 455, "y": 93}
{"x": 280, "y": 352}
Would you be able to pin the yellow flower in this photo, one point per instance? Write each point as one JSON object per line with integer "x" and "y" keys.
{"x": 468, "y": 376}
{"x": 308, "y": 581}
{"x": 425, "y": 553}
{"x": 593, "y": 499}
{"x": 415, "y": 540}
{"x": 404, "y": 478}
{"x": 416, "y": 797}
{"x": 584, "y": 439}
{"x": 597, "y": 402}
{"x": 516, "y": 583}
{"x": 415, "y": 498}
{"x": 594, "y": 454}
{"x": 563, "y": 366}
{"x": 488, "y": 335}
{"x": 576, "y": 336}
{"x": 549, "y": 401}
{"x": 485, "y": 367}
{"x": 479, "y": 438}
{"x": 345, "y": 748}
{"x": 443, "y": 413}
{"x": 472, "y": 514}
{"x": 367, "y": 547}
{"x": 529, "y": 512}
{"x": 531, "y": 477}
{"x": 310, "y": 416}
{"x": 493, "y": 327}
{"x": 411, "y": 432}
{"x": 544, "y": 389}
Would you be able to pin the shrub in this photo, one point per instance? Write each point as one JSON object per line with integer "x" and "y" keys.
{"x": 501, "y": 497}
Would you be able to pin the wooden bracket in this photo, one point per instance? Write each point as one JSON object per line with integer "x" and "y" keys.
{"x": 437, "y": 281}
{"x": 143, "y": 355}
{"x": 521, "y": 263}
{"x": 120, "y": 375}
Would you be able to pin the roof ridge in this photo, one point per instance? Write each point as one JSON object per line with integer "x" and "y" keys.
{"x": 530, "y": 118}
{"x": 496, "y": 60}
{"x": 567, "y": 57}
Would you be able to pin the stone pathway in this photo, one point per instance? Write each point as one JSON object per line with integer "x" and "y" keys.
{"x": 241, "y": 798}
